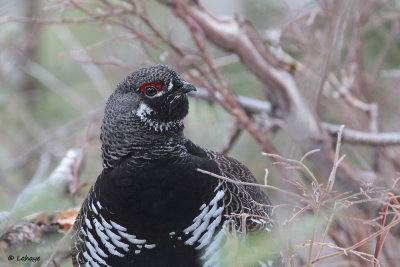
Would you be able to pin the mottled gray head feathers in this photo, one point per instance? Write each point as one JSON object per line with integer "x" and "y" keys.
{"x": 159, "y": 74}
{"x": 147, "y": 108}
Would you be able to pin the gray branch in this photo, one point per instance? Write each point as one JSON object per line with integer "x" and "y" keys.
{"x": 364, "y": 138}
{"x": 349, "y": 135}
{"x": 249, "y": 104}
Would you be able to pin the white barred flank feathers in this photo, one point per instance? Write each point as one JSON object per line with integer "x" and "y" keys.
{"x": 92, "y": 240}
{"x": 121, "y": 244}
{"x": 213, "y": 247}
{"x": 206, "y": 238}
{"x": 150, "y": 246}
{"x": 131, "y": 238}
{"x": 117, "y": 226}
{"x": 104, "y": 238}
{"x": 93, "y": 253}
{"x": 111, "y": 248}
{"x": 196, "y": 233}
{"x": 98, "y": 249}
{"x": 89, "y": 259}
{"x": 98, "y": 227}
{"x": 220, "y": 194}
{"x": 88, "y": 224}
{"x": 210, "y": 213}
{"x": 196, "y": 221}
{"x": 105, "y": 224}
{"x": 114, "y": 238}
{"x": 112, "y": 235}
{"x": 204, "y": 225}
{"x": 93, "y": 208}
{"x": 138, "y": 241}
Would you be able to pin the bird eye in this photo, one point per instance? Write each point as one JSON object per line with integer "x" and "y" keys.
{"x": 150, "y": 91}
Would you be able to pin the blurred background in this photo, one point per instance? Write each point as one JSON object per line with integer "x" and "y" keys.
{"x": 56, "y": 77}
{"x": 60, "y": 60}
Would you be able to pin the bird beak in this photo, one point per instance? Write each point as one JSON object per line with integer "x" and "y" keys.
{"x": 187, "y": 87}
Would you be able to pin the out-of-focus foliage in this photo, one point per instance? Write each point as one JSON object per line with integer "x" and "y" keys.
{"x": 53, "y": 76}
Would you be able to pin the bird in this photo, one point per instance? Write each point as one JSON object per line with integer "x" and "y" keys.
{"x": 151, "y": 206}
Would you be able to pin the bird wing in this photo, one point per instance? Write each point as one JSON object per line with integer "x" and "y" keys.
{"x": 248, "y": 206}
{"x": 241, "y": 200}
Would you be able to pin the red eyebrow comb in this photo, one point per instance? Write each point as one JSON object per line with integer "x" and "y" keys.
{"x": 156, "y": 85}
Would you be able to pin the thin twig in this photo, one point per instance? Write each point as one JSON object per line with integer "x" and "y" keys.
{"x": 53, "y": 254}
{"x": 246, "y": 183}
{"x": 359, "y": 243}
{"x": 336, "y": 161}
{"x": 379, "y": 242}
{"x": 328, "y": 225}
{"x": 300, "y": 163}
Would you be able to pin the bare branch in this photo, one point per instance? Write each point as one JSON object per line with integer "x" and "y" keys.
{"x": 365, "y": 138}
{"x": 349, "y": 136}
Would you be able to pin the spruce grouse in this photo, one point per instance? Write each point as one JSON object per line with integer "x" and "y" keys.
{"x": 150, "y": 206}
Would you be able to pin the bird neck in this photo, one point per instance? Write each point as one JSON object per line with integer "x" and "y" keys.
{"x": 139, "y": 140}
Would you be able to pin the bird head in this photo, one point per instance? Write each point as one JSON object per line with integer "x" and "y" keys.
{"x": 150, "y": 101}
{"x": 156, "y": 96}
